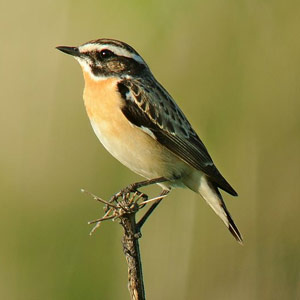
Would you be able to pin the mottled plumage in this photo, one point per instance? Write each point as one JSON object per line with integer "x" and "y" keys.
{"x": 140, "y": 124}
{"x": 169, "y": 125}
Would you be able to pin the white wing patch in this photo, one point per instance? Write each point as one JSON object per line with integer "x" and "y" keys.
{"x": 148, "y": 131}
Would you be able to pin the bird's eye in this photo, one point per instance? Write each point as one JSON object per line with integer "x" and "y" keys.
{"x": 104, "y": 54}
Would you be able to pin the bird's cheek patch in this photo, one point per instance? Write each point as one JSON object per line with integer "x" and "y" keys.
{"x": 115, "y": 66}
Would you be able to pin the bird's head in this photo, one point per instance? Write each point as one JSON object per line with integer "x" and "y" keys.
{"x": 106, "y": 58}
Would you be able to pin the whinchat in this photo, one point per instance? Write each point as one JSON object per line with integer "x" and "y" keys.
{"x": 140, "y": 124}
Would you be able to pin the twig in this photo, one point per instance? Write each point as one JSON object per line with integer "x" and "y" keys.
{"x": 99, "y": 221}
{"x": 153, "y": 199}
{"x": 131, "y": 250}
{"x": 123, "y": 206}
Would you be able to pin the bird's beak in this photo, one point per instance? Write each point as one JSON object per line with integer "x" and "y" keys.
{"x": 74, "y": 51}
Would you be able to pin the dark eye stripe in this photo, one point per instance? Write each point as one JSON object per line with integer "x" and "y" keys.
{"x": 119, "y": 64}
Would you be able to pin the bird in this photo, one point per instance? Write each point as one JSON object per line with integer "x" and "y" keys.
{"x": 140, "y": 124}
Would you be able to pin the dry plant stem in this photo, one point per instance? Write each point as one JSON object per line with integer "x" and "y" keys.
{"x": 132, "y": 254}
{"x": 124, "y": 206}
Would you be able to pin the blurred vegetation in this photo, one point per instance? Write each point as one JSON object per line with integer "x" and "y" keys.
{"x": 234, "y": 68}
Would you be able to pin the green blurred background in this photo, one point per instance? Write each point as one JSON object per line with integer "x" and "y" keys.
{"x": 234, "y": 68}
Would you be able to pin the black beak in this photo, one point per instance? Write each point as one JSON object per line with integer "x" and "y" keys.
{"x": 74, "y": 51}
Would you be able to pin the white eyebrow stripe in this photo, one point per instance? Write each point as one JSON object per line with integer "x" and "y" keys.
{"x": 88, "y": 47}
{"x": 115, "y": 49}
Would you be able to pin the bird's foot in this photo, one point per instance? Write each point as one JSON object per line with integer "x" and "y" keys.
{"x": 124, "y": 193}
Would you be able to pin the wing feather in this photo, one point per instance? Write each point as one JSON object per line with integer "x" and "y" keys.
{"x": 158, "y": 112}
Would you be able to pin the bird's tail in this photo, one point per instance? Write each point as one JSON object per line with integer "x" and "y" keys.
{"x": 214, "y": 199}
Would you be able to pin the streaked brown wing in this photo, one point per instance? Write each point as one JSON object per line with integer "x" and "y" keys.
{"x": 157, "y": 111}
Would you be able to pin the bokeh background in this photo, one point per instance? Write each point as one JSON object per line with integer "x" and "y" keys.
{"x": 234, "y": 68}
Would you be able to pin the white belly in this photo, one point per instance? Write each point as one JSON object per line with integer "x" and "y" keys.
{"x": 132, "y": 146}
{"x": 139, "y": 152}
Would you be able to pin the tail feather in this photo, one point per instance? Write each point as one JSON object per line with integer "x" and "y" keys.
{"x": 234, "y": 231}
{"x": 213, "y": 197}
{"x": 231, "y": 225}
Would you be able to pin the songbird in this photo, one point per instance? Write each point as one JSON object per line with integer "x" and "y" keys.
{"x": 140, "y": 124}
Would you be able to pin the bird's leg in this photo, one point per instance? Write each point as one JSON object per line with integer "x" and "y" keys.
{"x": 134, "y": 186}
{"x": 150, "y": 210}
